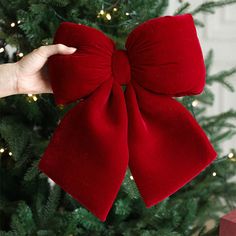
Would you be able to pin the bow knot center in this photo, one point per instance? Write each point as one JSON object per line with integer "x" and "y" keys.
{"x": 121, "y": 67}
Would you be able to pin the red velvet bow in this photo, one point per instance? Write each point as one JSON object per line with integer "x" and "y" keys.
{"x": 143, "y": 128}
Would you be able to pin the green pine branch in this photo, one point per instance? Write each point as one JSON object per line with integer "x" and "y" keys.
{"x": 210, "y": 6}
{"x": 221, "y": 77}
{"x": 52, "y": 204}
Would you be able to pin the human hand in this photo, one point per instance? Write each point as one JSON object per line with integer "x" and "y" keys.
{"x": 31, "y": 73}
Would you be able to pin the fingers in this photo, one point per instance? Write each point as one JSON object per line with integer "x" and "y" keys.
{"x": 47, "y": 51}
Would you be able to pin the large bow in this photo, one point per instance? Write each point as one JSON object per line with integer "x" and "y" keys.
{"x": 143, "y": 128}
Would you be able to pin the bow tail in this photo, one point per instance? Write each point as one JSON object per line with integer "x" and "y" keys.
{"x": 88, "y": 154}
{"x": 167, "y": 148}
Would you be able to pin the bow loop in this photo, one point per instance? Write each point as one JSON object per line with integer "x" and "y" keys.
{"x": 166, "y": 56}
{"x": 77, "y": 75}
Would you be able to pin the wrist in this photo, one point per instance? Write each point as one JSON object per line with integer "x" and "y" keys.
{"x": 14, "y": 77}
{"x": 8, "y": 79}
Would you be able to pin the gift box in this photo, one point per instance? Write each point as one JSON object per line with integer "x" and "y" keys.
{"x": 228, "y": 224}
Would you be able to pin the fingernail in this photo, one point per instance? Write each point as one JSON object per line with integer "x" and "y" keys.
{"x": 72, "y": 49}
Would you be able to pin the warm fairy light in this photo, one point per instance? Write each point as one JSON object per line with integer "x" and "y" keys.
{"x": 18, "y": 22}
{"x": 127, "y": 13}
{"x": 33, "y": 97}
{"x": 102, "y": 12}
{"x": 131, "y": 177}
{"x": 13, "y": 24}
{"x": 2, "y": 150}
{"x": 230, "y": 155}
{"x": 51, "y": 182}
{"x": 1, "y": 50}
{"x": 214, "y": 174}
{"x": 195, "y": 103}
{"x": 114, "y": 9}
{"x": 108, "y": 16}
{"x": 10, "y": 153}
{"x": 20, "y": 54}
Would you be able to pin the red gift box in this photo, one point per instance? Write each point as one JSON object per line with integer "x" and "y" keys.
{"x": 228, "y": 224}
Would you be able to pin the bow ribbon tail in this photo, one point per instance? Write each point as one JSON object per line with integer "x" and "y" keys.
{"x": 88, "y": 154}
{"x": 167, "y": 146}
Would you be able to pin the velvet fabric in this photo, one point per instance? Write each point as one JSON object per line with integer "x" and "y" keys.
{"x": 143, "y": 128}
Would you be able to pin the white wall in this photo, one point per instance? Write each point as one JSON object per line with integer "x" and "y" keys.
{"x": 219, "y": 35}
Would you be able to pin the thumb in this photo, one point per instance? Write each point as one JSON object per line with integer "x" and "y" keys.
{"x": 47, "y": 51}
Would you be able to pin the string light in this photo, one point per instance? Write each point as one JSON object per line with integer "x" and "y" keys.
{"x": 51, "y": 182}
{"x": 13, "y": 24}
{"x": 20, "y": 54}
{"x": 32, "y": 97}
{"x": 18, "y": 22}
{"x": 108, "y": 16}
{"x": 131, "y": 177}
{"x": 2, "y": 150}
{"x": 230, "y": 155}
{"x": 2, "y": 50}
{"x": 195, "y": 103}
{"x": 102, "y": 12}
{"x": 214, "y": 174}
{"x": 127, "y": 13}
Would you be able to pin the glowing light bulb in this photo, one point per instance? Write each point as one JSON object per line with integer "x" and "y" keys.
{"x": 35, "y": 98}
{"x": 13, "y": 24}
{"x": 2, "y": 50}
{"x": 114, "y": 9}
{"x": 131, "y": 177}
{"x": 102, "y": 12}
{"x": 195, "y": 103}
{"x": 2, "y": 150}
{"x": 51, "y": 182}
{"x": 10, "y": 153}
{"x": 30, "y": 94}
{"x": 127, "y": 13}
{"x": 108, "y": 16}
{"x": 230, "y": 155}
{"x": 18, "y": 22}
{"x": 214, "y": 174}
{"x": 20, "y": 54}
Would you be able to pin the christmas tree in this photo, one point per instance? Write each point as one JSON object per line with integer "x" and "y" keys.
{"x": 31, "y": 204}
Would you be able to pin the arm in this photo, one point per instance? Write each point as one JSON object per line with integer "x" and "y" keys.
{"x": 29, "y": 75}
